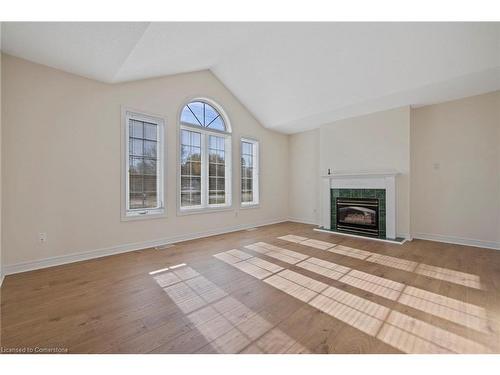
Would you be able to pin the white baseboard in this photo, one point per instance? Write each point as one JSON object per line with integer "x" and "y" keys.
{"x": 77, "y": 257}
{"x": 457, "y": 240}
{"x": 2, "y": 276}
{"x": 302, "y": 221}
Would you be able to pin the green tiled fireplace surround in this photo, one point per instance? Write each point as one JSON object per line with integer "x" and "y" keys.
{"x": 359, "y": 193}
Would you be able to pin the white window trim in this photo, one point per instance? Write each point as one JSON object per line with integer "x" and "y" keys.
{"x": 149, "y": 213}
{"x": 228, "y": 140}
{"x": 256, "y": 173}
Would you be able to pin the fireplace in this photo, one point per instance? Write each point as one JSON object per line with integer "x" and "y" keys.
{"x": 376, "y": 188}
{"x": 358, "y": 215}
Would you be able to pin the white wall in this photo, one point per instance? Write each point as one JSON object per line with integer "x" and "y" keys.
{"x": 455, "y": 178}
{"x": 62, "y": 161}
{"x": 373, "y": 142}
{"x": 377, "y": 141}
{"x": 303, "y": 183}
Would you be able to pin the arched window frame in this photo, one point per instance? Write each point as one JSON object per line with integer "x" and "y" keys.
{"x": 205, "y": 133}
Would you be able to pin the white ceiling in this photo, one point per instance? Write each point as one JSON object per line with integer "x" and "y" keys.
{"x": 291, "y": 76}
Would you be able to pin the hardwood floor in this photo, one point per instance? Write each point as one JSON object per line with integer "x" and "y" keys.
{"x": 282, "y": 288}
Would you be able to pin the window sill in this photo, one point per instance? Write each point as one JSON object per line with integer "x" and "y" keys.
{"x": 153, "y": 214}
{"x": 249, "y": 206}
{"x": 204, "y": 210}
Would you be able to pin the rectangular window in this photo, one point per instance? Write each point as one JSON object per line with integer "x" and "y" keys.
{"x": 205, "y": 169}
{"x": 216, "y": 170}
{"x": 143, "y": 165}
{"x": 190, "y": 168}
{"x": 249, "y": 172}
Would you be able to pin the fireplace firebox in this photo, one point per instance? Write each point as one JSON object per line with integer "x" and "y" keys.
{"x": 358, "y": 215}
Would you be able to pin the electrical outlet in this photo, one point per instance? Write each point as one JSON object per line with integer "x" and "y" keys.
{"x": 42, "y": 237}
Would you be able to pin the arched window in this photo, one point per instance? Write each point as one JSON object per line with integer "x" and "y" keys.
{"x": 199, "y": 113}
{"x": 205, "y": 157}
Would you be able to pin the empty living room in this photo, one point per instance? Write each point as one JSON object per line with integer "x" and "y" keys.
{"x": 213, "y": 187}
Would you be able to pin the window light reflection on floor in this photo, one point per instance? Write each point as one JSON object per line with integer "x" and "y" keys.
{"x": 227, "y": 325}
{"x": 390, "y": 326}
{"x": 440, "y": 273}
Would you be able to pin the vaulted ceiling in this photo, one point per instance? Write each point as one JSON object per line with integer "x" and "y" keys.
{"x": 291, "y": 76}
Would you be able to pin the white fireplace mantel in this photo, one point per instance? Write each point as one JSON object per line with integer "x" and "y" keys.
{"x": 365, "y": 179}
{"x": 362, "y": 173}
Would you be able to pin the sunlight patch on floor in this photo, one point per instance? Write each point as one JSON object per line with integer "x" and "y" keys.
{"x": 415, "y": 336}
{"x": 285, "y": 255}
{"x": 440, "y": 273}
{"x": 322, "y": 245}
{"x": 459, "y": 312}
{"x": 399, "y": 330}
{"x": 457, "y": 277}
{"x": 253, "y": 266}
{"x": 227, "y": 325}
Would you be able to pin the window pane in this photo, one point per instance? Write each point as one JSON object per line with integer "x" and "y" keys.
{"x": 212, "y": 170}
{"x": 135, "y": 129}
{"x": 195, "y": 139}
{"x": 221, "y": 156}
{"x": 212, "y": 156}
{"x": 150, "y": 166}
{"x": 135, "y": 146}
{"x": 188, "y": 117}
{"x": 221, "y": 197}
{"x": 221, "y": 184}
{"x": 218, "y": 124}
{"x": 212, "y": 183}
{"x": 221, "y": 170}
{"x": 217, "y": 197}
{"x": 150, "y": 149}
{"x": 196, "y": 199}
{"x": 136, "y": 184}
{"x": 185, "y": 199}
{"x": 247, "y": 197}
{"x": 197, "y": 109}
{"x": 195, "y": 154}
{"x": 136, "y": 165}
{"x": 150, "y": 131}
{"x": 216, "y": 169}
{"x": 246, "y": 148}
{"x": 185, "y": 153}
{"x": 246, "y": 160}
{"x": 185, "y": 183}
{"x": 196, "y": 168}
{"x": 185, "y": 137}
{"x": 210, "y": 114}
{"x": 185, "y": 169}
{"x": 150, "y": 200}
{"x": 150, "y": 184}
{"x": 136, "y": 200}
{"x": 196, "y": 184}
{"x": 212, "y": 142}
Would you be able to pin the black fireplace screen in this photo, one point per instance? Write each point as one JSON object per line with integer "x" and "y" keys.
{"x": 358, "y": 215}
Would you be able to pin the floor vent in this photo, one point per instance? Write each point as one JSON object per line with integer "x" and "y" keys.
{"x": 163, "y": 247}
